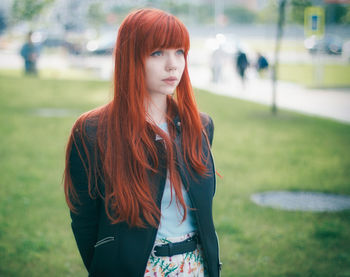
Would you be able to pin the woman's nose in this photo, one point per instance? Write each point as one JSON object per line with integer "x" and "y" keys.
{"x": 171, "y": 63}
{"x": 171, "y": 67}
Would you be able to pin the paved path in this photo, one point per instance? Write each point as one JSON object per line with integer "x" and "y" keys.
{"x": 333, "y": 104}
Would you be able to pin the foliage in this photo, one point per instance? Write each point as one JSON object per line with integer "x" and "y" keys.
{"x": 28, "y": 10}
{"x": 95, "y": 15}
{"x": 337, "y": 14}
{"x": 205, "y": 14}
{"x": 175, "y": 7}
{"x": 269, "y": 13}
{"x": 346, "y": 17}
{"x": 297, "y": 9}
{"x": 3, "y": 21}
{"x": 120, "y": 12}
{"x": 239, "y": 14}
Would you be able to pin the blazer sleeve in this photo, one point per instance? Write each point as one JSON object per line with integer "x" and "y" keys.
{"x": 210, "y": 130}
{"x": 208, "y": 126}
{"x": 85, "y": 219}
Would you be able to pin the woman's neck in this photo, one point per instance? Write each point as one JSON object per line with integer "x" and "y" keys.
{"x": 156, "y": 109}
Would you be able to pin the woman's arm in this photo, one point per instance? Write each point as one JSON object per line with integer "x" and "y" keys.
{"x": 85, "y": 218}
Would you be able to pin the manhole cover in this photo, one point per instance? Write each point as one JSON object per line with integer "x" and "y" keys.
{"x": 302, "y": 201}
{"x": 53, "y": 112}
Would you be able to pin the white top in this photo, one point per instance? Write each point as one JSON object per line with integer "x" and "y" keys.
{"x": 171, "y": 216}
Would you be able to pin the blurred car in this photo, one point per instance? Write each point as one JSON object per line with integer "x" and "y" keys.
{"x": 58, "y": 40}
{"x": 102, "y": 46}
{"x": 52, "y": 42}
{"x": 329, "y": 44}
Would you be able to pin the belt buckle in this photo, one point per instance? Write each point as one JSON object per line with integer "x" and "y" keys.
{"x": 153, "y": 254}
{"x": 194, "y": 238}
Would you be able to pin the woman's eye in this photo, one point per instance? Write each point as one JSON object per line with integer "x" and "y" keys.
{"x": 157, "y": 53}
{"x": 180, "y": 51}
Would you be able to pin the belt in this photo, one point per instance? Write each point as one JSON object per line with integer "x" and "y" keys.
{"x": 175, "y": 248}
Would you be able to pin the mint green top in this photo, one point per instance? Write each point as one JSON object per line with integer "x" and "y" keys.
{"x": 171, "y": 216}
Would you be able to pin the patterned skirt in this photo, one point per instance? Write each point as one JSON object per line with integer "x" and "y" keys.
{"x": 182, "y": 265}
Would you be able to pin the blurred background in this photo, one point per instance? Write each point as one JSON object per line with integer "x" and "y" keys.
{"x": 80, "y": 36}
{"x": 273, "y": 74}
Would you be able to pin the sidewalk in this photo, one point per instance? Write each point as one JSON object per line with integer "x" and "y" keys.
{"x": 333, "y": 103}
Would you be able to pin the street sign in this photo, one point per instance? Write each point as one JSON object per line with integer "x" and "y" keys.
{"x": 314, "y": 20}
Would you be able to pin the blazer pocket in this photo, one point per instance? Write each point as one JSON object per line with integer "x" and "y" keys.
{"x": 105, "y": 257}
{"x": 104, "y": 241}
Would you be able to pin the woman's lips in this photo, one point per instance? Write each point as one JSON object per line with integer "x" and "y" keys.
{"x": 170, "y": 81}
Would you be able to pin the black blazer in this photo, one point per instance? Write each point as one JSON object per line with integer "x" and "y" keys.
{"x": 119, "y": 250}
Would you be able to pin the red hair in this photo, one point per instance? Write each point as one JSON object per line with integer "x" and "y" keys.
{"x": 125, "y": 141}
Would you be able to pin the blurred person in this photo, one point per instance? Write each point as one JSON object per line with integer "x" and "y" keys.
{"x": 139, "y": 175}
{"x": 261, "y": 64}
{"x": 30, "y": 54}
{"x": 217, "y": 61}
{"x": 241, "y": 64}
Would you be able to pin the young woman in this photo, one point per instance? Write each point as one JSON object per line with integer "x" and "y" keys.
{"x": 139, "y": 176}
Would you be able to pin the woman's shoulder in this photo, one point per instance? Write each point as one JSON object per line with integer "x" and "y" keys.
{"x": 207, "y": 121}
{"x": 208, "y": 126}
{"x": 87, "y": 123}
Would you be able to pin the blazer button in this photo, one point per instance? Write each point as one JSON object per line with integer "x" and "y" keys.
{"x": 220, "y": 266}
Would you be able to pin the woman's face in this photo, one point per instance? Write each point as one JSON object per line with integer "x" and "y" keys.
{"x": 163, "y": 69}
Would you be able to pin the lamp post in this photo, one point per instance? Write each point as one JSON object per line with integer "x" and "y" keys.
{"x": 280, "y": 23}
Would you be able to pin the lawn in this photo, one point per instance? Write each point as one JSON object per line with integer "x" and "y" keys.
{"x": 254, "y": 151}
{"x": 316, "y": 75}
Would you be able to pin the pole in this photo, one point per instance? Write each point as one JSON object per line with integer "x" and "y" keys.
{"x": 280, "y": 23}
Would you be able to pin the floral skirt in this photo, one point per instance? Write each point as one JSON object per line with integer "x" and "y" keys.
{"x": 182, "y": 265}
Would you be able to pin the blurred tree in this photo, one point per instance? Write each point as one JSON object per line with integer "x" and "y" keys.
{"x": 269, "y": 13}
{"x": 345, "y": 19}
{"x": 28, "y": 10}
{"x": 179, "y": 9}
{"x": 336, "y": 13}
{"x": 96, "y": 16}
{"x": 120, "y": 11}
{"x": 153, "y": 3}
{"x": 297, "y": 10}
{"x": 174, "y": 7}
{"x": 3, "y": 23}
{"x": 205, "y": 14}
{"x": 239, "y": 14}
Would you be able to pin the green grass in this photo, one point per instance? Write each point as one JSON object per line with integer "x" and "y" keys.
{"x": 332, "y": 75}
{"x": 268, "y": 45}
{"x": 57, "y": 74}
{"x": 254, "y": 151}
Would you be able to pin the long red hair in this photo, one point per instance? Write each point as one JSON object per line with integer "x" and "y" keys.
{"x": 125, "y": 141}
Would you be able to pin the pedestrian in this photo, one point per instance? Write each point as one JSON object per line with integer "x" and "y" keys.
{"x": 139, "y": 175}
{"x": 261, "y": 64}
{"x": 241, "y": 64}
{"x": 30, "y": 54}
{"x": 217, "y": 62}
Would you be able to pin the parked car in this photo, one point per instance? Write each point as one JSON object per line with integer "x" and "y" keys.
{"x": 329, "y": 44}
{"x": 52, "y": 40}
{"x": 102, "y": 46}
